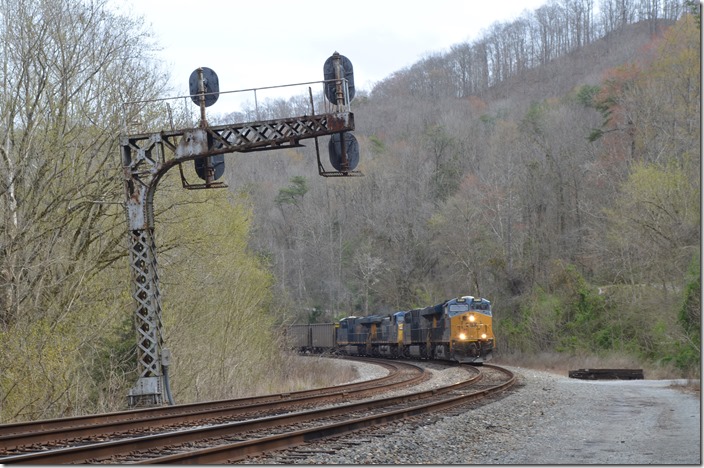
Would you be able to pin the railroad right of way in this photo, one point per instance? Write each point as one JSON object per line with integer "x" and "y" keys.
{"x": 547, "y": 418}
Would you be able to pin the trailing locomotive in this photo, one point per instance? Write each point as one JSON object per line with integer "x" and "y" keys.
{"x": 457, "y": 330}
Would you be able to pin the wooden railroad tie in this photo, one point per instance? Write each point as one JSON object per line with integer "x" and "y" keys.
{"x": 607, "y": 374}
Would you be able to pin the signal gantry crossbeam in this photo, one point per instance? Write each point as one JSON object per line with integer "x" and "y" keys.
{"x": 145, "y": 159}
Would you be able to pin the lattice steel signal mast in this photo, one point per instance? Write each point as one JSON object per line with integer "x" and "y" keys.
{"x": 146, "y": 158}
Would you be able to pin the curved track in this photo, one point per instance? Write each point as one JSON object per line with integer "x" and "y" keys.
{"x": 254, "y": 434}
{"x": 356, "y": 417}
{"x": 58, "y": 440}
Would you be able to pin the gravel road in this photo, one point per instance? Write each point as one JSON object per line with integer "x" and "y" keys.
{"x": 547, "y": 419}
{"x": 571, "y": 421}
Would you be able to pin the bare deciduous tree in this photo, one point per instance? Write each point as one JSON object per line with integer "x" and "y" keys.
{"x": 66, "y": 68}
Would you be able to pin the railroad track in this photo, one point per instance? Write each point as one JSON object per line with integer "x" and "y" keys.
{"x": 493, "y": 381}
{"x": 56, "y": 431}
{"x": 21, "y": 442}
{"x": 235, "y": 440}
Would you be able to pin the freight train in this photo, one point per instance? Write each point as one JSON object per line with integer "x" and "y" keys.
{"x": 459, "y": 330}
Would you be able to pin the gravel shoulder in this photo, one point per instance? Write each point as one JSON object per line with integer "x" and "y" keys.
{"x": 546, "y": 419}
{"x": 571, "y": 421}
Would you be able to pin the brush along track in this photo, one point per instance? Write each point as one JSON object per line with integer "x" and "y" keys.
{"x": 43, "y": 436}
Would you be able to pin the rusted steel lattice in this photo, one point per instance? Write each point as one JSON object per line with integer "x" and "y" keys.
{"x": 147, "y": 317}
{"x": 146, "y": 158}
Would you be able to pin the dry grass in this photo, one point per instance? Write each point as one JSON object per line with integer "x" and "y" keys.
{"x": 306, "y": 372}
{"x": 561, "y": 364}
{"x": 693, "y": 387}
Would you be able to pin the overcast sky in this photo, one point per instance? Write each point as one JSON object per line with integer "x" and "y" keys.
{"x": 272, "y": 42}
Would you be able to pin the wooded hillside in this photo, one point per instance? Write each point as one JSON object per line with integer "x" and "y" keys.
{"x": 552, "y": 166}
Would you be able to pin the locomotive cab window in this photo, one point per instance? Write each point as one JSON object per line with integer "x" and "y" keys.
{"x": 483, "y": 307}
{"x": 455, "y": 309}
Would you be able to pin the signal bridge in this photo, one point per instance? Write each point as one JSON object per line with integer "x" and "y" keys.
{"x": 146, "y": 157}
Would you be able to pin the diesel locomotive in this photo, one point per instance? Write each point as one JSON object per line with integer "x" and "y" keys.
{"x": 459, "y": 329}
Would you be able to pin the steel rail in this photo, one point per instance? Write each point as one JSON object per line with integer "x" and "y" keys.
{"x": 107, "y": 450}
{"x": 240, "y": 450}
{"x": 48, "y": 430}
{"x": 69, "y": 454}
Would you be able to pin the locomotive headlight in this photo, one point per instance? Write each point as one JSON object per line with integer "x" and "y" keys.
{"x": 471, "y": 318}
{"x": 483, "y": 336}
{"x": 463, "y": 336}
